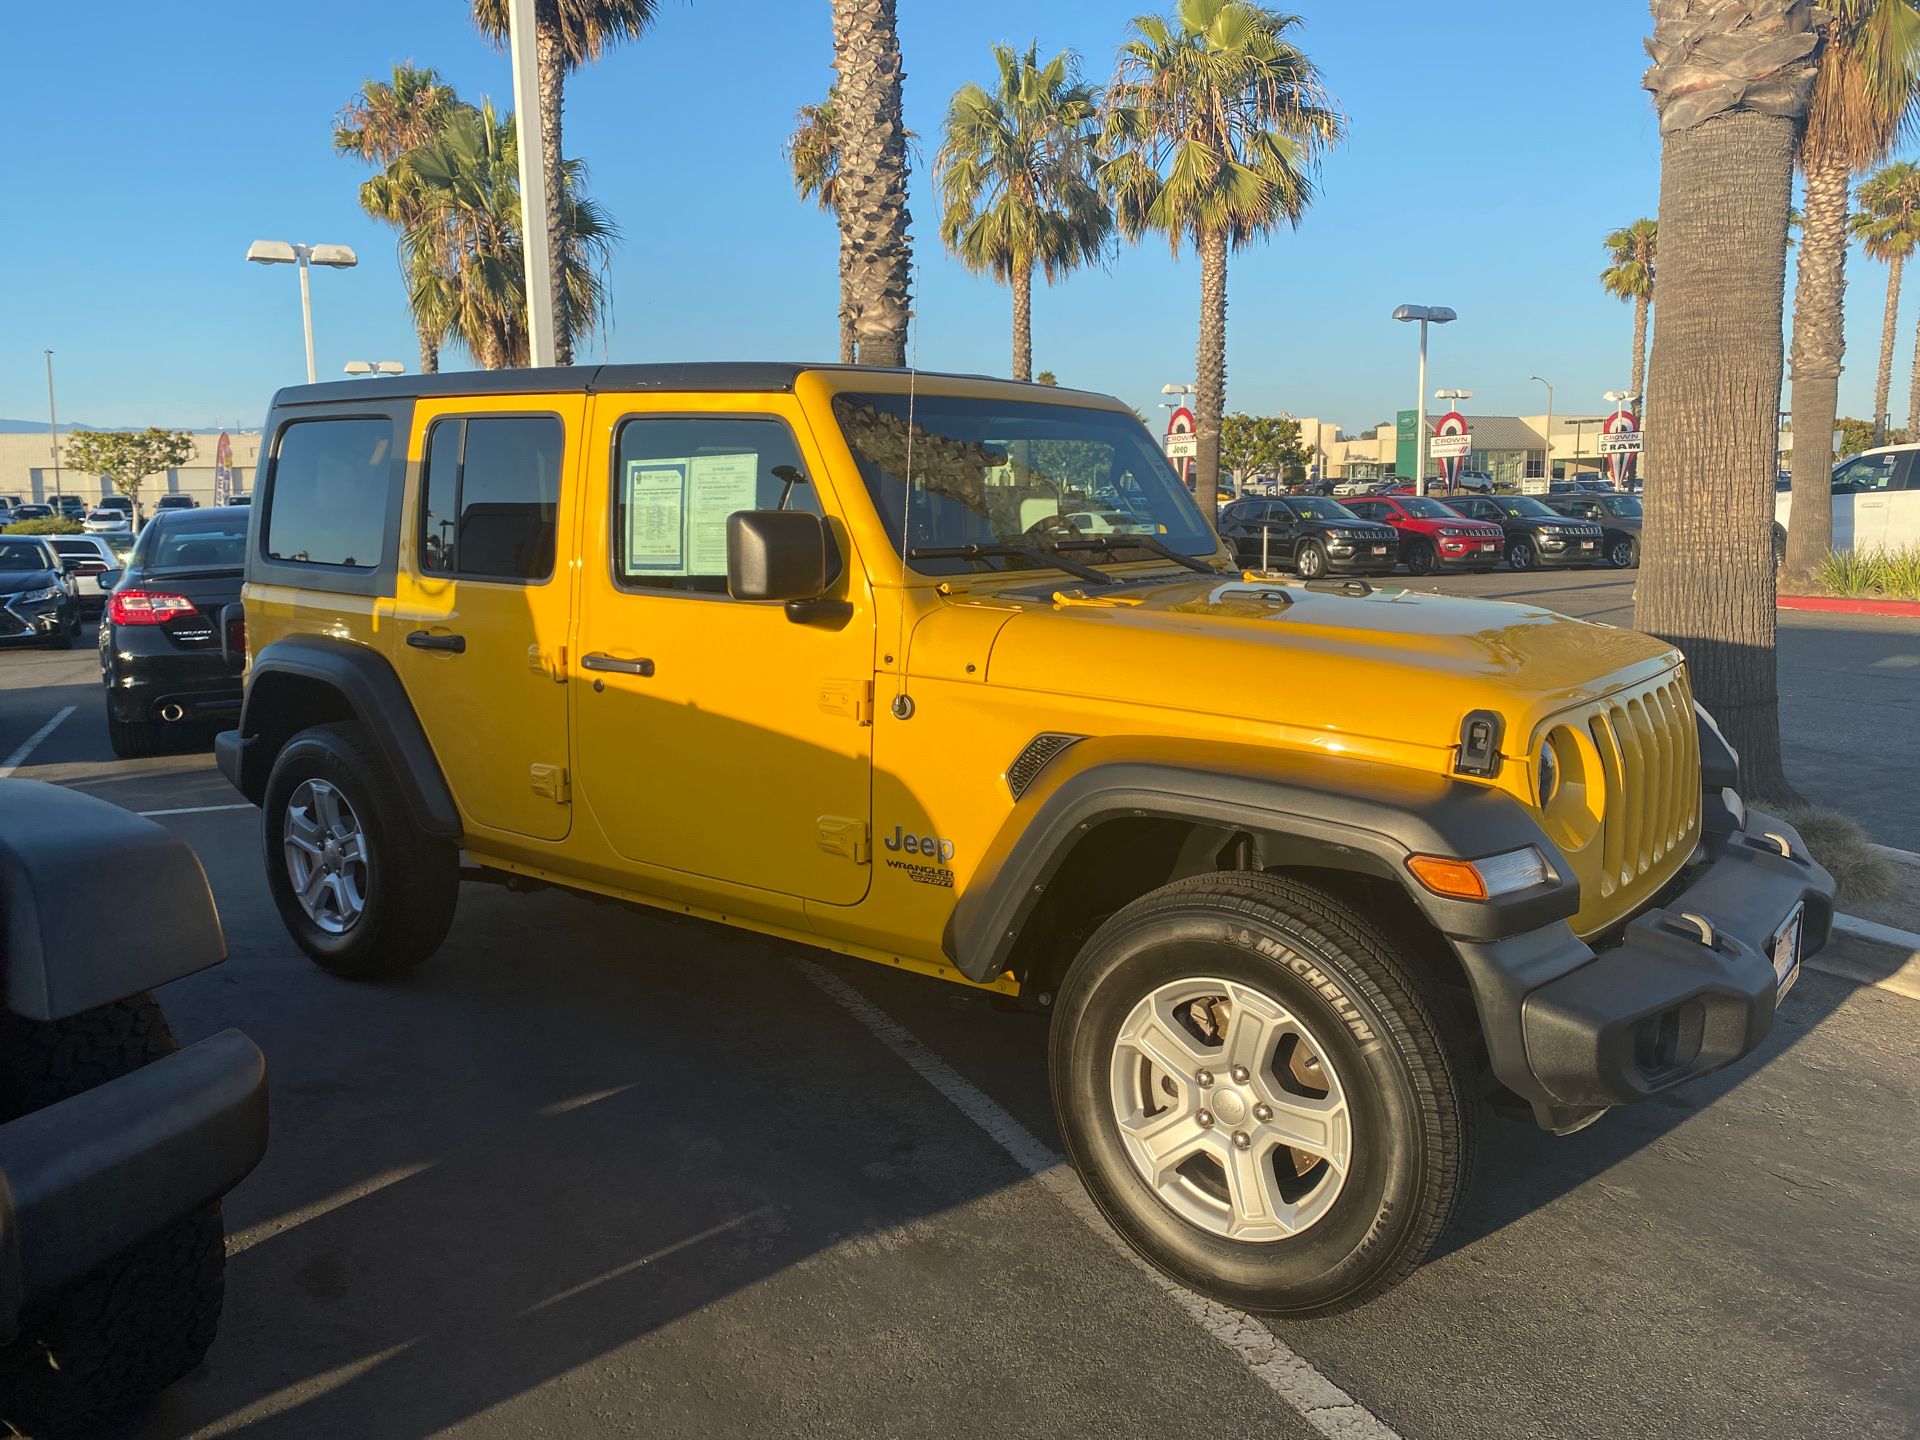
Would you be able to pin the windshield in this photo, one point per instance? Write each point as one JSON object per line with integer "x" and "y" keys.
{"x": 22, "y": 555}
{"x": 1421, "y": 508}
{"x": 1524, "y": 507}
{"x": 1625, "y": 506}
{"x": 1006, "y": 472}
{"x": 194, "y": 545}
{"x": 1314, "y": 507}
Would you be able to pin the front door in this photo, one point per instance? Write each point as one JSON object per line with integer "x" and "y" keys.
{"x": 484, "y": 601}
{"x": 727, "y": 740}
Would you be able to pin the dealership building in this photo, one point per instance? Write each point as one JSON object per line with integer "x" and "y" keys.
{"x": 27, "y": 471}
{"x": 1510, "y": 448}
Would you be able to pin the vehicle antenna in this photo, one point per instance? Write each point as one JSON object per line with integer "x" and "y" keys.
{"x": 902, "y": 702}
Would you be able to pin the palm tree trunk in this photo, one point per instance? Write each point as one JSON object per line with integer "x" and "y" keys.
{"x": 1889, "y": 328}
{"x": 1706, "y": 583}
{"x": 429, "y": 352}
{"x": 553, "y": 81}
{"x": 1023, "y": 322}
{"x": 1210, "y": 371}
{"x": 849, "y": 337}
{"x": 1639, "y": 385}
{"x": 1818, "y": 342}
{"x": 871, "y": 186}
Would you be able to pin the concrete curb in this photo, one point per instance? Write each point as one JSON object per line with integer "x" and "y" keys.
{"x": 1898, "y": 973}
{"x": 1842, "y": 605}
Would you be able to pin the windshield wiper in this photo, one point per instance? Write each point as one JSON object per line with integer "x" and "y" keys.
{"x": 1151, "y": 543}
{"x": 990, "y": 549}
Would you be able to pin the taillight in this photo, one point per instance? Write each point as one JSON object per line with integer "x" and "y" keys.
{"x": 237, "y": 637}
{"x": 148, "y": 607}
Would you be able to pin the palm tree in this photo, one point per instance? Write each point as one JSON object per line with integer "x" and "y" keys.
{"x": 1731, "y": 81}
{"x": 1019, "y": 178}
{"x": 1887, "y": 225}
{"x": 567, "y": 35}
{"x": 380, "y": 125}
{"x": 870, "y": 184}
{"x": 469, "y": 275}
{"x": 813, "y": 150}
{"x": 1215, "y": 122}
{"x": 1869, "y": 62}
{"x": 1629, "y": 275}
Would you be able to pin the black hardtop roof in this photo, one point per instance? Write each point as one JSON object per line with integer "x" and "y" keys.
{"x": 722, "y": 375}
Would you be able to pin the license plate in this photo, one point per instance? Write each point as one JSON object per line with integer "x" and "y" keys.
{"x": 1586, "y": 544}
{"x": 1379, "y": 549}
{"x": 1784, "y": 949}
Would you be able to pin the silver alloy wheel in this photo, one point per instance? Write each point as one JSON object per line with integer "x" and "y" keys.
{"x": 326, "y": 853}
{"x": 1622, "y": 555}
{"x": 1311, "y": 561}
{"x": 1230, "y": 1110}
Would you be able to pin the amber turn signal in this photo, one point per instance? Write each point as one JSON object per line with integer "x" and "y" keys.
{"x": 1456, "y": 879}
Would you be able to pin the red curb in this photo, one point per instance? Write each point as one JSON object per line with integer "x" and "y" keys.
{"x": 1837, "y": 605}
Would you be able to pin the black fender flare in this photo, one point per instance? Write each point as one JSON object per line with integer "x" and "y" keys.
{"x": 1300, "y": 809}
{"x": 370, "y": 690}
{"x": 63, "y": 951}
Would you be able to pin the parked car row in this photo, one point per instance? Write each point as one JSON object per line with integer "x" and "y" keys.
{"x": 1377, "y": 534}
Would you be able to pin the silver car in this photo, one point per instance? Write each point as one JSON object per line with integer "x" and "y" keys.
{"x": 95, "y": 558}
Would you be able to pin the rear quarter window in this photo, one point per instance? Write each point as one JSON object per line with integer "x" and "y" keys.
{"x": 330, "y": 486}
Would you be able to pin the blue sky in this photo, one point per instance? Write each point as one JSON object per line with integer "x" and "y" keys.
{"x": 150, "y": 149}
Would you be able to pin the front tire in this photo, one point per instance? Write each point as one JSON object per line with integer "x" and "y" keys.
{"x": 1520, "y": 555}
{"x": 360, "y": 889}
{"x": 1301, "y": 1167}
{"x": 1420, "y": 558}
{"x": 1311, "y": 560}
{"x": 148, "y": 1316}
{"x": 1624, "y": 553}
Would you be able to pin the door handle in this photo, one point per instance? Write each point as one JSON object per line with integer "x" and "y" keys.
{"x": 427, "y": 640}
{"x": 601, "y": 661}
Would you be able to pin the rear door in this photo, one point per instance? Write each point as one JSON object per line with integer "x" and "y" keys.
{"x": 1903, "y": 506}
{"x": 483, "y": 603}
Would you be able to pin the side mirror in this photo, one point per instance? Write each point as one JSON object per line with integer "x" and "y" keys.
{"x": 776, "y": 555}
{"x": 110, "y": 578}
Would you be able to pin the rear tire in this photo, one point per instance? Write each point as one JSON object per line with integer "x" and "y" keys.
{"x": 384, "y": 900}
{"x": 1386, "y": 1073}
{"x": 146, "y": 1318}
{"x": 130, "y": 739}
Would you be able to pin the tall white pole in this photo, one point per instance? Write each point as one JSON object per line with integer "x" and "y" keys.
{"x": 306, "y": 311}
{"x": 535, "y": 243}
{"x": 53, "y": 429}
{"x": 1420, "y": 421}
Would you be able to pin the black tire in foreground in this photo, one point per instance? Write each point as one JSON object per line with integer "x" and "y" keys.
{"x": 1300, "y": 1166}
{"x": 379, "y": 895}
{"x": 138, "y": 1324}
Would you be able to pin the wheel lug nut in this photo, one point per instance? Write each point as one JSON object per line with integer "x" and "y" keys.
{"x": 1263, "y": 1113}
{"x": 1204, "y": 1078}
{"x": 1240, "y": 1073}
{"x": 1205, "y": 1117}
{"x": 1241, "y": 1139}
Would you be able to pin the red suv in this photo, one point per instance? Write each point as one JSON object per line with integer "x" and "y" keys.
{"x": 1433, "y": 537}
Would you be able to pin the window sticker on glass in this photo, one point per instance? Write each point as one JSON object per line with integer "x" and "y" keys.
{"x": 718, "y": 485}
{"x": 656, "y": 539}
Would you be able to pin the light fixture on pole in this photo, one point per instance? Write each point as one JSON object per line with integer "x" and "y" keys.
{"x": 1546, "y": 455}
{"x": 1622, "y": 398}
{"x": 374, "y": 369}
{"x": 1426, "y": 315}
{"x": 280, "y": 252}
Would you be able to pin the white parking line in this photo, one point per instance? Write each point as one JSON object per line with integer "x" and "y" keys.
{"x": 1320, "y": 1402}
{"x": 19, "y": 757}
{"x": 194, "y": 810}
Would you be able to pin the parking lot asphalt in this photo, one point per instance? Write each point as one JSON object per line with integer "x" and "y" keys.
{"x": 588, "y": 1172}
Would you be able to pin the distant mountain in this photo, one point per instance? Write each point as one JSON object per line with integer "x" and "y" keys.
{"x": 39, "y": 427}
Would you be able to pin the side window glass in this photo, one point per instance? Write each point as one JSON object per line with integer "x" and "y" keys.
{"x": 677, "y": 479}
{"x": 1866, "y": 474}
{"x": 329, "y": 488}
{"x": 490, "y": 495}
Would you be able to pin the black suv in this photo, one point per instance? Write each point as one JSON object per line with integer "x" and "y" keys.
{"x": 1537, "y": 536}
{"x": 1617, "y": 515}
{"x": 1315, "y": 535}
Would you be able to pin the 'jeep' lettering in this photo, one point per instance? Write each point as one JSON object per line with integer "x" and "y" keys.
{"x": 933, "y": 845}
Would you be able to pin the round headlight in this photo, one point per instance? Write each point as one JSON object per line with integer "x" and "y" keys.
{"x": 1547, "y": 774}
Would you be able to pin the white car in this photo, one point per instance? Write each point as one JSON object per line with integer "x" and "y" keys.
{"x": 99, "y": 522}
{"x": 95, "y": 557}
{"x": 1876, "y": 500}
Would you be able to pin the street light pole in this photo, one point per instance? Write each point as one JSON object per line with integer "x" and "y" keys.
{"x": 306, "y": 312}
{"x": 535, "y": 242}
{"x": 1546, "y": 455}
{"x": 280, "y": 252}
{"x": 1425, "y": 314}
{"x": 53, "y": 429}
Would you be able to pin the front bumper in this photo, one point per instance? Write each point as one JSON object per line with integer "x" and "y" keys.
{"x": 82, "y": 1180}
{"x": 1585, "y": 551}
{"x": 1368, "y": 557}
{"x": 1472, "y": 554}
{"x": 1573, "y": 1029}
{"x": 40, "y": 620}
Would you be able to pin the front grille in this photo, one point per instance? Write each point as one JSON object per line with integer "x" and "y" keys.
{"x": 1650, "y": 766}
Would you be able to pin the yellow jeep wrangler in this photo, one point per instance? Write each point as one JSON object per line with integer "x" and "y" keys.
{"x": 950, "y": 674}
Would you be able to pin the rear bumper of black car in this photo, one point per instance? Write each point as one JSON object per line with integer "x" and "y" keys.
{"x": 147, "y": 677}
{"x": 83, "y": 1179}
{"x": 1684, "y": 988}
